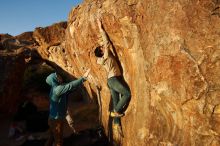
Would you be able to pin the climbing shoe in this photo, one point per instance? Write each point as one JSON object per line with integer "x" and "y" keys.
{"x": 116, "y": 114}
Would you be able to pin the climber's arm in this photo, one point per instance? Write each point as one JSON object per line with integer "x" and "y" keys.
{"x": 62, "y": 89}
{"x": 105, "y": 41}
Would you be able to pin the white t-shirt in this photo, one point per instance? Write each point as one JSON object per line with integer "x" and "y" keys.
{"x": 110, "y": 64}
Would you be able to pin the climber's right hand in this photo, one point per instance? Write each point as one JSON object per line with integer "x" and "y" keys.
{"x": 86, "y": 74}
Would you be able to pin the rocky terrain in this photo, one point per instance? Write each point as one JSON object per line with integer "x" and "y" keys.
{"x": 169, "y": 55}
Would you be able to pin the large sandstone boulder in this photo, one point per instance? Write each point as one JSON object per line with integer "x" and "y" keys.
{"x": 169, "y": 52}
{"x": 169, "y": 55}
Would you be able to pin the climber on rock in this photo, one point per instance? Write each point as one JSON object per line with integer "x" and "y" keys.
{"x": 58, "y": 105}
{"x": 106, "y": 57}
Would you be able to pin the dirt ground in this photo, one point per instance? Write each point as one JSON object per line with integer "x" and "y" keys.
{"x": 4, "y": 127}
{"x": 82, "y": 114}
{"x": 6, "y": 141}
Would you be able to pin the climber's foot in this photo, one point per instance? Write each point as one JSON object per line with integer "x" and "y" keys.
{"x": 116, "y": 114}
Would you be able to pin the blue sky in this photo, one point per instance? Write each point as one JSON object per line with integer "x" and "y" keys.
{"x": 18, "y": 16}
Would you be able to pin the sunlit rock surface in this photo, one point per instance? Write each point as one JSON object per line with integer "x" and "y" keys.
{"x": 49, "y": 38}
{"x": 169, "y": 53}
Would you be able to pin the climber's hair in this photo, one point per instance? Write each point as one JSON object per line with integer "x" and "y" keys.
{"x": 98, "y": 52}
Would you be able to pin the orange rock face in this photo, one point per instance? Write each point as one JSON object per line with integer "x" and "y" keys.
{"x": 169, "y": 53}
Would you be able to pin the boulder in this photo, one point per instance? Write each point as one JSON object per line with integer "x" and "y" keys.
{"x": 168, "y": 52}
{"x": 169, "y": 55}
{"x": 11, "y": 72}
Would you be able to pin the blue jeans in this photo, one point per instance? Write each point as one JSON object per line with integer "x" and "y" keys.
{"x": 116, "y": 88}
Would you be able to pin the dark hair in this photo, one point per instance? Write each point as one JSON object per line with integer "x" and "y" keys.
{"x": 98, "y": 52}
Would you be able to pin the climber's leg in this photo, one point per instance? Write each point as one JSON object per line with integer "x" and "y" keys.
{"x": 115, "y": 99}
{"x": 117, "y": 86}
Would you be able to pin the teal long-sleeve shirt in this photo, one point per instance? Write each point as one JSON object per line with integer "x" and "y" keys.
{"x": 58, "y": 95}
